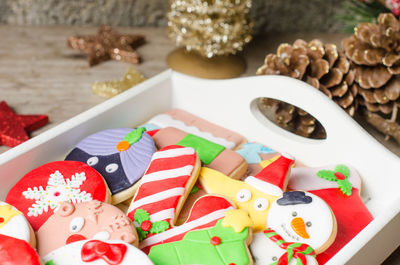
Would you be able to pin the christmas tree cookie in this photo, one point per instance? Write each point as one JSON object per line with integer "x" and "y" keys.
{"x": 339, "y": 186}
{"x": 121, "y": 156}
{"x": 13, "y": 223}
{"x": 97, "y": 252}
{"x": 41, "y": 192}
{"x": 255, "y": 194}
{"x": 88, "y": 220}
{"x": 225, "y": 243}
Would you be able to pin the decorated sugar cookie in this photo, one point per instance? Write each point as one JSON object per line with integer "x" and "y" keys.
{"x": 269, "y": 248}
{"x": 14, "y": 251}
{"x": 192, "y": 124}
{"x": 255, "y": 194}
{"x": 339, "y": 186}
{"x": 13, "y": 223}
{"x": 300, "y": 216}
{"x": 88, "y": 220}
{"x": 256, "y": 155}
{"x": 41, "y": 191}
{"x": 97, "y": 252}
{"x": 212, "y": 155}
{"x": 225, "y": 243}
{"x": 121, "y": 156}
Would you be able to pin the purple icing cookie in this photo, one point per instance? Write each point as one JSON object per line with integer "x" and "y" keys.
{"x": 121, "y": 156}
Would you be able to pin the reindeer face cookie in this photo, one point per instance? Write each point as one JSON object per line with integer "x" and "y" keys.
{"x": 90, "y": 220}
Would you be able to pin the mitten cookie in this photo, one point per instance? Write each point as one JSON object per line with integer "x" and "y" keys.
{"x": 88, "y": 220}
{"x": 192, "y": 124}
{"x": 13, "y": 223}
{"x": 339, "y": 186}
{"x": 41, "y": 192}
{"x": 121, "y": 156}
{"x": 212, "y": 155}
{"x": 97, "y": 252}
{"x": 255, "y": 194}
{"x": 225, "y": 243}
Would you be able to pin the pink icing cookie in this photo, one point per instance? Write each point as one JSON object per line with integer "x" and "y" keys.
{"x": 190, "y": 123}
{"x": 13, "y": 223}
{"x": 212, "y": 155}
{"x": 41, "y": 191}
{"x": 339, "y": 186}
{"x": 97, "y": 252}
{"x": 14, "y": 251}
{"x": 82, "y": 221}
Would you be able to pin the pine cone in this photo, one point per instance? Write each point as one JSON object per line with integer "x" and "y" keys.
{"x": 320, "y": 65}
{"x": 374, "y": 51}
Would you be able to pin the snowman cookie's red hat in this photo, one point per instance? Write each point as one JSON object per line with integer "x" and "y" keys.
{"x": 273, "y": 178}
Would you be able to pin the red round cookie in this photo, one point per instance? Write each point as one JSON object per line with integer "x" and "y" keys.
{"x": 15, "y": 251}
{"x": 40, "y": 192}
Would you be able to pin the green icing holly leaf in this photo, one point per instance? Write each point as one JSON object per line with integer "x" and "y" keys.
{"x": 134, "y": 135}
{"x": 158, "y": 227}
{"x": 327, "y": 174}
{"x": 343, "y": 169}
{"x": 142, "y": 234}
{"x": 194, "y": 189}
{"x": 345, "y": 186}
{"x": 50, "y": 262}
{"x": 141, "y": 215}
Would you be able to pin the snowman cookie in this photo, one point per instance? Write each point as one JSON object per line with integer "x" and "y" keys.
{"x": 41, "y": 192}
{"x": 269, "y": 248}
{"x": 121, "y": 156}
{"x": 14, "y": 251}
{"x": 13, "y": 223}
{"x": 97, "y": 252}
{"x": 303, "y": 217}
{"x": 88, "y": 220}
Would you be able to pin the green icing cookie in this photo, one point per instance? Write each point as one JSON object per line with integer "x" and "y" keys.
{"x": 202, "y": 247}
{"x": 206, "y": 150}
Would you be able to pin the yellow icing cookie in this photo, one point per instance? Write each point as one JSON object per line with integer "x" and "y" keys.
{"x": 237, "y": 219}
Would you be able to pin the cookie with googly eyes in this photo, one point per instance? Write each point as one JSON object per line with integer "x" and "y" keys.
{"x": 41, "y": 191}
{"x": 88, "y": 220}
{"x": 120, "y": 155}
{"x": 13, "y": 223}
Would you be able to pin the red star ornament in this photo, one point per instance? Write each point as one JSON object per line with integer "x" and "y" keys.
{"x": 14, "y": 128}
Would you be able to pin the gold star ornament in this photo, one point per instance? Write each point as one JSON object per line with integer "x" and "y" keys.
{"x": 108, "y": 45}
{"x": 109, "y": 89}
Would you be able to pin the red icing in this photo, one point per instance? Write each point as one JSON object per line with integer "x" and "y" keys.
{"x": 340, "y": 176}
{"x": 14, "y": 251}
{"x": 94, "y": 184}
{"x": 276, "y": 173}
{"x": 146, "y": 225}
{"x": 215, "y": 241}
{"x": 351, "y": 216}
{"x": 232, "y": 263}
{"x": 152, "y": 132}
{"x": 112, "y": 254}
{"x": 1, "y": 220}
{"x": 73, "y": 238}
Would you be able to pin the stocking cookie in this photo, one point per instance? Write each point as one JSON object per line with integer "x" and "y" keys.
{"x": 97, "y": 252}
{"x": 255, "y": 194}
{"x": 212, "y": 155}
{"x": 339, "y": 186}
{"x": 82, "y": 221}
{"x": 225, "y": 243}
{"x": 303, "y": 217}
{"x": 14, "y": 224}
{"x": 14, "y": 251}
{"x": 121, "y": 156}
{"x": 269, "y": 248}
{"x": 41, "y": 191}
{"x": 192, "y": 124}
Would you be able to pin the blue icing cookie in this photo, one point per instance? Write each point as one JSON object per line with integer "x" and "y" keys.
{"x": 251, "y": 151}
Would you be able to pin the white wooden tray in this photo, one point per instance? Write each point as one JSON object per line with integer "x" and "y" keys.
{"x": 232, "y": 104}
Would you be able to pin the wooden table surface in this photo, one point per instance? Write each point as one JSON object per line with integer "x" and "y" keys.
{"x": 40, "y": 74}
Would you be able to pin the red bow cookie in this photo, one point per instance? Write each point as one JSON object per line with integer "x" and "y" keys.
{"x": 111, "y": 253}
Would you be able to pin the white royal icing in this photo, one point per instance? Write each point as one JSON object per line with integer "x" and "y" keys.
{"x": 265, "y": 251}
{"x": 317, "y": 212}
{"x": 17, "y": 226}
{"x": 71, "y": 254}
{"x": 165, "y": 120}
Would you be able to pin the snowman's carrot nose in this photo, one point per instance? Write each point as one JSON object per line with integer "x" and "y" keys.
{"x": 299, "y": 227}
